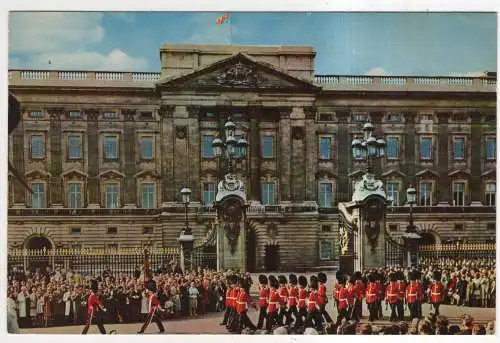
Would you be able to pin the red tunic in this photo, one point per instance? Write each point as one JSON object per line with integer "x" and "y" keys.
{"x": 322, "y": 299}
{"x": 283, "y": 292}
{"x": 154, "y": 303}
{"x": 371, "y": 293}
{"x": 392, "y": 293}
{"x": 263, "y": 296}
{"x": 93, "y": 304}
{"x": 243, "y": 301}
{"x": 412, "y": 293}
{"x": 229, "y": 294}
{"x": 380, "y": 290}
{"x": 420, "y": 290}
{"x": 437, "y": 290}
{"x": 343, "y": 298}
{"x": 336, "y": 291}
{"x": 274, "y": 301}
{"x": 293, "y": 296}
{"x": 361, "y": 289}
{"x": 401, "y": 288}
{"x": 302, "y": 298}
{"x": 313, "y": 301}
{"x": 351, "y": 294}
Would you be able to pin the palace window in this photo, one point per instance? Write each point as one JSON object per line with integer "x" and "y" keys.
{"x": 75, "y": 195}
{"x": 75, "y": 114}
{"x": 207, "y": 148}
{"x": 148, "y": 195}
{"x": 110, "y": 115}
{"x": 394, "y": 117}
{"x": 38, "y": 196}
{"x": 112, "y": 195}
{"x": 425, "y": 194}
{"x": 458, "y": 148}
{"x": 37, "y": 147}
{"x": 325, "y": 249}
{"x": 267, "y": 146}
{"x": 147, "y": 230}
{"x": 208, "y": 193}
{"x": 76, "y": 230}
{"x": 426, "y": 148}
{"x": 490, "y": 192}
{"x": 491, "y": 149}
{"x": 325, "y": 144}
{"x": 325, "y": 195}
{"x": 111, "y": 147}
{"x": 146, "y": 143}
{"x": 36, "y": 114}
{"x": 112, "y": 230}
{"x": 458, "y": 193}
{"x": 393, "y": 192}
{"x": 392, "y": 148}
{"x": 358, "y": 117}
{"x": 268, "y": 193}
{"x": 74, "y": 147}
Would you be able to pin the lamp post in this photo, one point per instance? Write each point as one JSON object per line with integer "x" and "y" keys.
{"x": 186, "y": 237}
{"x": 230, "y": 149}
{"x": 368, "y": 148}
{"x": 410, "y": 236}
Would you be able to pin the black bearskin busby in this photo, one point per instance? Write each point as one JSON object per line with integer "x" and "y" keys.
{"x": 392, "y": 277}
{"x": 263, "y": 279}
{"x": 338, "y": 274}
{"x": 322, "y": 277}
{"x": 151, "y": 286}
{"x": 436, "y": 275}
{"x": 341, "y": 280}
{"x": 357, "y": 276}
{"x": 313, "y": 282}
{"x": 303, "y": 281}
{"x": 412, "y": 276}
{"x": 293, "y": 279}
{"x": 94, "y": 286}
{"x": 273, "y": 282}
{"x": 371, "y": 277}
{"x": 399, "y": 275}
{"x": 281, "y": 279}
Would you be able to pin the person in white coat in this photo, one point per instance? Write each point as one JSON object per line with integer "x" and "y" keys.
{"x": 12, "y": 325}
{"x": 22, "y": 299}
{"x": 144, "y": 305}
{"x": 69, "y": 301}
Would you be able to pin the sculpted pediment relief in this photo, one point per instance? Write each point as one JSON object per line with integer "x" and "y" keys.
{"x": 238, "y": 72}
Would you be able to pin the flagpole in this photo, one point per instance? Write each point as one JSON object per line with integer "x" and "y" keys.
{"x": 230, "y": 28}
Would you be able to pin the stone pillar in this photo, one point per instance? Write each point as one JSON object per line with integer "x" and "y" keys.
{"x": 18, "y": 157}
{"x": 93, "y": 158}
{"x": 310, "y": 154}
{"x": 298, "y": 153}
{"x": 56, "y": 187}
{"x": 443, "y": 191}
{"x": 476, "y": 148}
{"x": 343, "y": 144}
{"x": 167, "y": 152}
{"x": 181, "y": 151}
{"x": 284, "y": 157}
{"x": 130, "y": 162}
{"x": 409, "y": 149}
{"x": 254, "y": 155}
{"x": 194, "y": 148}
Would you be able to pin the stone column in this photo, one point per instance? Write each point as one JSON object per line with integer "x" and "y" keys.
{"x": 93, "y": 189}
{"x": 284, "y": 155}
{"x": 167, "y": 152}
{"x": 56, "y": 187}
{"x": 194, "y": 148}
{"x": 254, "y": 155}
{"x": 130, "y": 162}
{"x": 409, "y": 149}
{"x": 310, "y": 153}
{"x": 18, "y": 158}
{"x": 443, "y": 191}
{"x": 476, "y": 148}
{"x": 181, "y": 152}
{"x": 343, "y": 144}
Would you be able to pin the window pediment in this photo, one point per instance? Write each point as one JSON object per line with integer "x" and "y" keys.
{"x": 324, "y": 173}
{"x": 37, "y": 174}
{"x": 393, "y": 173}
{"x": 489, "y": 173}
{"x": 459, "y": 173}
{"x": 74, "y": 174}
{"x": 356, "y": 174}
{"x": 426, "y": 173}
{"x": 144, "y": 174}
{"x": 111, "y": 174}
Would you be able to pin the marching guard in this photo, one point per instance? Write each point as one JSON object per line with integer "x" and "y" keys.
{"x": 232, "y": 323}
{"x": 413, "y": 295}
{"x": 359, "y": 289}
{"x": 293, "y": 299}
{"x": 242, "y": 303}
{"x": 372, "y": 297}
{"x": 336, "y": 289}
{"x": 418, "y": 281}
{"x": 436, "y": 290}
{"x": 323, "y": 298}
{"x": 95, "y": 310}
{"x": 274, "y": 301}
{"x": 314, "y": 318}
{"x": 153, "y": 308}
{"x": 229, "y": 300}
{"x": 263, "y": 301}
{"x": 392, "y": 296}
{"x": 343, "y": 300}
{"x": 302, "y": 314}
{"x": 283, "y": 292}
{"x": 400, "y": 282}
{"x": 380, "y": 294}
{"x": 351, "y": 298}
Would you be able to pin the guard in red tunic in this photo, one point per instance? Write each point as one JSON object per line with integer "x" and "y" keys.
{"x": 400, "y": 281}
{"x": 359, "y": 289}
{"x": 336, "y": 289}
{"x": 351, "y": 297}
{"x": 314, "y": 318}
{"x": 242, "y": 303}
{"x": 293, "y": 300}
{"x": 273, "y": 306}
{"x": 413, "y": 295}
{"x": 229, "y": 300}
{"x": 343, "y": 300}
{"x": 263, "y": 300}
{"x": 323, "y": 298}
{"x": 154, "y": 308}
{"x": 372, "y": 297}
{"x": 303, "y": 295}
{"x": 436, "y": 290}
{"x": 392, "y": 296}
{"x": 232, "y": 323}
{"x": 283, "y": 292}
{"x": 379, "y": 280}
{"x": 95, "y": 310}
{"x": 418, "y": 281}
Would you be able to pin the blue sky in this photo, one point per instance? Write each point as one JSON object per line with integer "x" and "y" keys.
{"x": 346, "y": 43}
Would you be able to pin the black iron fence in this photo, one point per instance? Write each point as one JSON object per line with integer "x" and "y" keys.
{"x": 204, "y": 260}
{"x": 93, "y": 261}
{"x": 394, "y": 252}
{"x": 468, "y": 251}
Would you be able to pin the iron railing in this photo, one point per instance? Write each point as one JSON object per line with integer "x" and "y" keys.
{"x": 466, "y": 251}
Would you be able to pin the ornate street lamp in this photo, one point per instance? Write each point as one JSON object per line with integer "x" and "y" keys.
{"x": 368, "y": 148}
{"x": 410, "y": 236}
{"x": 186, "y": 237}
{"x": 230, "y": 149}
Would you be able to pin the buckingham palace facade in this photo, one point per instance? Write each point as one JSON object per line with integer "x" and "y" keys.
{"x": 107, "y": 153}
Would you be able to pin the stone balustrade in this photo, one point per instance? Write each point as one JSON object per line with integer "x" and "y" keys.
{"x": 328, "y": 82}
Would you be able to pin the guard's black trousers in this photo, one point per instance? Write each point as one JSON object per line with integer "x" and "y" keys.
{"x": 394, "y": 308}
{"x": 301, "y": 316}
{"x": 281, "y": 315}
{"x": 152, "y": 317}
{"x": 271, "y": 320}
{"x": 401, "y": 310}
{"x": 436, "y": 308}
{"x": 373, "y": 309}
{"x": 314, "y": 319}
{"x": 262, "y": 317}
{"x": 244, "y": 322}
{"x": 322, "y": 311}
{"x": 226, "y": 315}
{"x": 413, "y": 307}
{"x": 292, "y": 310}
{"x": 97, "y": 319}
{"x": 342, "y": 314}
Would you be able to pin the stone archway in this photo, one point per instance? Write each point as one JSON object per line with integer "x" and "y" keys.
{"x": 428, "y": 238}
{"x": 42, "y": 260}
{"x": 38, "y": 242}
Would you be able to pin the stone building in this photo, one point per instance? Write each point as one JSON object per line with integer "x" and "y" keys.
{"x": 106, "y": 153}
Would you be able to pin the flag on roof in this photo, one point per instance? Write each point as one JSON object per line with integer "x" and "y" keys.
{"x": 222, "y": 19}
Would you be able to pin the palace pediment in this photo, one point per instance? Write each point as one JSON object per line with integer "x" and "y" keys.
{"x": 239, "y": 71}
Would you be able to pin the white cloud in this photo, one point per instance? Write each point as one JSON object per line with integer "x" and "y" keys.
{"x": 377, "y": 71}
{"x": 116, "y": 60}
{"x": 42, "y": 32}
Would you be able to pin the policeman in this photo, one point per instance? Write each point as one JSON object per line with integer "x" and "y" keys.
{"x": 303, "y": 295}
{"x": 372, "y": 297}
{"x": 293, "y": 300}
{"x": 263, "y": 300}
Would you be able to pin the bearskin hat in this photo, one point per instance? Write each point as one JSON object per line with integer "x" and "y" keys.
{"x": 313, "y": 282}
{"x": 436, "y": 275}
{"x": 150, "y": 286}
{"x": 293, "y": 279}
{"x": 399, "y": 275}
{"x": 273, "y": 282}
{"x": 322, "y": 277}
{"x": 94, "y": 286}
{"x": 412, "y": 275}
{"x": 371, "y": 277}
{"x": 338, "y": 274}
{"x": 357, "y": 275}
{"x": 303, "y": 281}
{"x": 263, "y": 279}
{"x": 242, "y": 282}
{"x": 392, "y": 277}
{"x": 341, "y": 280}
{"x": 282, "y": 279}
